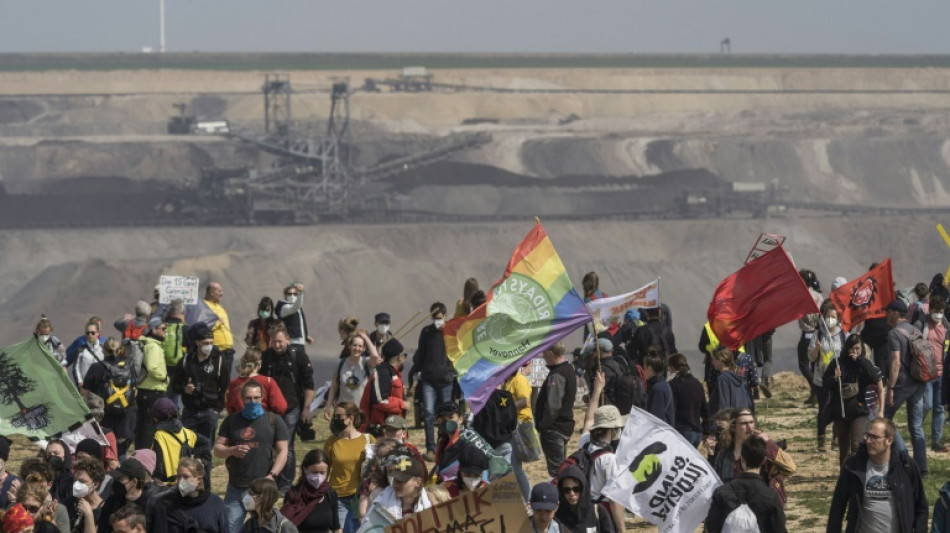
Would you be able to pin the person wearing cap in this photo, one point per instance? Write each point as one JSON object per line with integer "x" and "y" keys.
{"x": 7, "y": 478}
{"x": 407, "y": 492}
{"x": 610, "y": 365}
{"x": 171, "y": 440}
{"x": 290, "y": 311}
{"x": 155, "y": 383}
{"x": 605, "y": 430}
{"x": 383, "y": 394}
{"x": 17, "y": 520}
{"x": 473, "y": 467}
{"x": 395, "y": 427}
{"x": 901, "y": 386}
{"x": 544, "y": 503}
{"x": 382, "y": 334}
{"x": 554, "y": 410}
{"x": 201, "y": 378}
{"x": 129, "y": 486}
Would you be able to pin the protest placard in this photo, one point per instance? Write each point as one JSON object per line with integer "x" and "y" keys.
{"x": 612, "y": 309}
{"x": 496, "y": 508}
{"x": 764, "y": 244}
{"x": 171, "y": 287}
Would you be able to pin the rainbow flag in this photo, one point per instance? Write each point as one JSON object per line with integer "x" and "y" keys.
{"x": 530, "y": 308}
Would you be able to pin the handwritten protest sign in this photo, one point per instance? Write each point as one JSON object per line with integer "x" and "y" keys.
{"x": 613, "y": 308}
{"x": 171, "y": 287}
{"x": 497, "y": 508}
{"x": 765, "y": 243}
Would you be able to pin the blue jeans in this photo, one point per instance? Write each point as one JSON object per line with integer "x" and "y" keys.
{"x": 432, "y": 396}
{"x": 348, "y": 520}
{"x": 911, "y": 392}
{"x": 507, "y": 451}
{"x": 554, "y": 446}
{"x": 932, "y": 402}
{"x": 286, "y": 478}
{"x": 203, "y": 422}
{"x": 233, "y": 508}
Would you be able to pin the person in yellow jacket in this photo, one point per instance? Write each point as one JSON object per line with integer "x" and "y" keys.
{"x": 222, "y": 328}
{"x": 153, "y": 385}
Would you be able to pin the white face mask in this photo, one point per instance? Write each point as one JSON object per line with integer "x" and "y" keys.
{"x": 936, "y": 317}
{"x": 80, "y": 489}
{"x": 471, "y": 482}
{"x": 248, "y": 502}
{"x": 439, "y": 322}
{"x": 292, "y": 299}
{"x": 831, "y": 321}
{"x": 206, "y": 348}
{"x": 382, "y": 329}
{"x": 187, "y": 486}
{"x": 44, "y": 338}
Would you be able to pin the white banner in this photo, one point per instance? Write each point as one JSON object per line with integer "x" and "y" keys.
{"x": 612, "y": 309}
{"x": 660, "y": 476}
{"x": 171, "y": 287}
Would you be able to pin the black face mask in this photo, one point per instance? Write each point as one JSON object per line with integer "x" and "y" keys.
{"x": 56, "y": 463}
{"x": 337, "y": 426}
{"x": 118, "y": 488}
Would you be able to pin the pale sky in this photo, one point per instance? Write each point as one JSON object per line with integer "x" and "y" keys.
{"x": 537, "y": 26}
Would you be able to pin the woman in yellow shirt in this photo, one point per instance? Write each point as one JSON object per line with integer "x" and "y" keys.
{"x": 519, "y": 387}
{"x": 348, "y": 450}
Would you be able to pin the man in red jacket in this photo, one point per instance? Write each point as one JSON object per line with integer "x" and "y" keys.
{"x": 383, "y": 395}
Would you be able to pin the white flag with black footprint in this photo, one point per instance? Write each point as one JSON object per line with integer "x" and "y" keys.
{"x": 660, "y": 477}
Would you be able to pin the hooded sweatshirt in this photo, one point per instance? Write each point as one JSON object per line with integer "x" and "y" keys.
{"x": 587, "y": 518}
{"x": 730, "y": 392}
{"x": 204, "y": 511}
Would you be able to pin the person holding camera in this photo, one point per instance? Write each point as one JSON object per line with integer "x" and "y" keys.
{"x": 202, "y": 379}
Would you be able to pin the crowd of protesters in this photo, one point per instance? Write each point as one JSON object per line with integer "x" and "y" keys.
{"x": 170, "y": 397}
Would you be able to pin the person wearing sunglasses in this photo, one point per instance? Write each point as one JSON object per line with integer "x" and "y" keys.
{"x": 575, "y": 510}
{"x": 34, "y": 497}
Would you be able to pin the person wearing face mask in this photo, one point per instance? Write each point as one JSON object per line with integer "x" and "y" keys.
{"x": 188, "y": 507}
{"x": 129, "y": 486}
{"x": 290, "y": 312}
{"x": 7, "y": 478}
{"x": 263, "y": 516}
{"x": 450, "y": 444}
{"x": 248, "y": 369}
{"x": 406, "y": 493}
{"x": 311, "y": 504}
{"x": 258, "y": 330}
{"x": 823, "y": 348}
{"x": 202, "y": 380}
{"x": 44, "y": 333}
{"x": 348, "y": 451}
{"x": 933, "y": 325}
{"x": 37, "y": 471}
{"x": 437, "y": 372}
{"x": 383, "y": 332}
{"x": 255, "y": 445}
{"x": 88, "y": 477}
{"x": 395, "y": 427}
{"x": 383, "y": 394}
{"x": 472, "y": 468}
{"x": 856, "y": 374}
{"x": 60, "y": 460}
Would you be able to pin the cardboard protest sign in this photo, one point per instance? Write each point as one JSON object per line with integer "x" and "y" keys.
{"x": 612, "y": 309}
{"x": 763, "y": 245}
{"x": 171, "y": 287}
{"x": 497, "y": 508}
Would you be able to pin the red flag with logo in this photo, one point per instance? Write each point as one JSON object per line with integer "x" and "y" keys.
{"x": 762, "y": 295}
{"x": 866, "y": 297}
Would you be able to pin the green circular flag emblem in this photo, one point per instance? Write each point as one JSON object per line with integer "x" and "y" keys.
{"x": 519, "y": 307}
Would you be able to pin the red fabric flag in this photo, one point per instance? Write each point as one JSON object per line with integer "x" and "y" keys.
{"x": 762, "y": 295}
{"x": 866, "y": 297}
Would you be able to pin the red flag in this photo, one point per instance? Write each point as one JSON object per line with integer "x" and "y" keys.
{"x": 762, "y": 295}
{"x": 866, "y": 297}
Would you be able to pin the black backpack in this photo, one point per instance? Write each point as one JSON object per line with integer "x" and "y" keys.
{"x": 583, "y": 460}
{"x": 656, "y": 341}
{"x": 118, "y": 392}
{"x": 631, "y": 391}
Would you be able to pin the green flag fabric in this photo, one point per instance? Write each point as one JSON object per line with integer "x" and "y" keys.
{"x": 37, "y": 399}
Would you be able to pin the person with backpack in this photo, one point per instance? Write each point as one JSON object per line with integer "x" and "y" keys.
{"x": 174, "y": 441}
{"x": 554, "y": 409}
{"x": 660, "y": 401}
{"x": 902, "y": 386}
{"x": 690, "y": 408}
{"x": 498, "y": 421}
{"x": 746, "y": 499}
{"x": 79, "y": 342}
{"x": 248, "y": 368}
{"x": 624, "y": 388}
{"x": 383, "y": 395}
{"x": 575, "y": 510}
{"x": 596, "y": 457}
{"x": 823, "y": 347}
{"x": 133, "y": 326}
{"x": 113, "y": 379}
{"x": 152, "y": 376}
{"x": 289, "y": 365}
{"x": 254, "y": 444}
{"x": 191, "y": 507}
{"x": 879, "y": 488}
{"x": 934, "y": 326}
{"x": 88, "y": 355}
{"x": 848, "y": 377}
{"x": 173, "y": 345}
{"x": 653, "y": 334}
{"x": 202, "y": 381}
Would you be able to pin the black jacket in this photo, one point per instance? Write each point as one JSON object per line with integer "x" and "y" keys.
{"x": 431, "y": 360}
{"x": 563, "y": 422}
{"x": 614, "y": 369}
{"x": 691, "y": 406}
{"x": 292, "y": 371}
{"x": 210, "y": 377}
{"x": 184, "y": 514}
{"x": 655, "y": 334}
{"x": 660, "y": 401}
{"x": 751, "y": 490}
{"x": 498, "y": 420}
{"x": 587, "y": 515}
{"x": 906, "y": 486}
